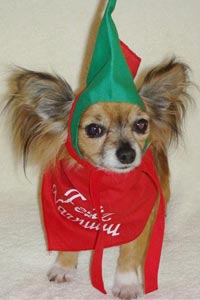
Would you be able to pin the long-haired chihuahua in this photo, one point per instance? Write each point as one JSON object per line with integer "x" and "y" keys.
{"x": 38, "y": 108}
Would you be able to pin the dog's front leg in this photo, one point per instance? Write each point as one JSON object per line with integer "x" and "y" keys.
{"x": 127, "y": 283}
{"x": 129, "y": 275}
{"x": 63, "y": 270}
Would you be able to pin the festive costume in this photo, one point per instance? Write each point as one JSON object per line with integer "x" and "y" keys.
{"x": 88, "y": 208}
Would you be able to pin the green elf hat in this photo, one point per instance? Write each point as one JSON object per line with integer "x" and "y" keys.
{"x": 109, "y": 77}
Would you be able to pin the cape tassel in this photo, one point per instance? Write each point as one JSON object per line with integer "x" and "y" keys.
{"x": 96, "y": 265}
{"x": 153, "y": 255}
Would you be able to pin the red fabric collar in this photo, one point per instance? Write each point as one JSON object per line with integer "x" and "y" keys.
{"x": 86, "y": 208}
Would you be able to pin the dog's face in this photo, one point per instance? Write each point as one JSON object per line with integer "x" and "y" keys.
{"x": 112, "y": 135}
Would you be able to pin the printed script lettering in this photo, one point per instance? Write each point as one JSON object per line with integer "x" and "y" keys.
{"x": 87, "y": 219}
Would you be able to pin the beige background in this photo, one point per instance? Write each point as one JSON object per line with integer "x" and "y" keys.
{"x": 50, "y": 35}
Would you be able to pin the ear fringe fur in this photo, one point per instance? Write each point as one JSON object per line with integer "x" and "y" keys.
{"x": 165, "y": 93}
{"x": 38, "y": 110}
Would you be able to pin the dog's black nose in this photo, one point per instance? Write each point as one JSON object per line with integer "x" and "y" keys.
{"x": 126, "y": 154}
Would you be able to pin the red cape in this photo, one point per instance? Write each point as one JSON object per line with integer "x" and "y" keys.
{"x": 87, "y": 208}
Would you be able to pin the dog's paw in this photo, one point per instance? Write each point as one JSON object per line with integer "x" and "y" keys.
{"x": 127, "y": 286}
{"x": 125, "y": 292}
{"x": 60, "y": 274}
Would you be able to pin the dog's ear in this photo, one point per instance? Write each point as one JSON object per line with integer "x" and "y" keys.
{"x": 39, "y": 105}
{"x": 164, "y": 92}
{"x": 48, "y": 96}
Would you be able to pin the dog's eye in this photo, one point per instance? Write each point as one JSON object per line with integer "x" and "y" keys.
{"x": 140, "y": 126}
{"x": 94, "y": 130}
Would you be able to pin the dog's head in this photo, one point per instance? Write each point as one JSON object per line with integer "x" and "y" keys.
{"x": 113, "y": 135}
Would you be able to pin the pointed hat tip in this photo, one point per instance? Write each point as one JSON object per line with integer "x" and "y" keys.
{"x": 111, "y": 6}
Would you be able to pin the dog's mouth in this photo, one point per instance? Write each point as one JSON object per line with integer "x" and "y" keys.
{"x": 121, "y": 169}
{"x": 117, "y": 168}
{"x": 124, "y": 167}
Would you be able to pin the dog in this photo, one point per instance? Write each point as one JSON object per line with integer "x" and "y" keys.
{"x": 111, "y": 137}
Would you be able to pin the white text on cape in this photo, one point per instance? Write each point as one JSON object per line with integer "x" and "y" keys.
{"x": 87, "y": 219}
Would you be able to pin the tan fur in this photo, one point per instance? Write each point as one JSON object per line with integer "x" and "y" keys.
{"x": 132, "y": 254}
{"x": 38, "y": 108}
{"x": 68, "y": 259}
